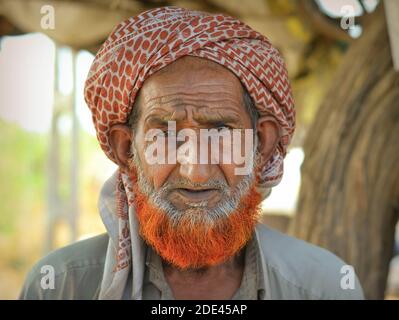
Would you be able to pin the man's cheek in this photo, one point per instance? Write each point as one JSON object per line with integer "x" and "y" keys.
{"x": 229, "y": 172}
{"x": 158, "y": 173}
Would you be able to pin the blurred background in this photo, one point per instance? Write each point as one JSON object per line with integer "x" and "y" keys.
{"x": 341, "y": 183}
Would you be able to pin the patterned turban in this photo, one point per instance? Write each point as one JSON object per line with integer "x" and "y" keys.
{"x": 142, "y": 45}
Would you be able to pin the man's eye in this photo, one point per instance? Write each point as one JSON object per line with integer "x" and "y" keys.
{"x": 223, "y": 127}
{"x": 169, "y": 133}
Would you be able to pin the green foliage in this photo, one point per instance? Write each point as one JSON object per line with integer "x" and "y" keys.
{"x": 22, "y": 168}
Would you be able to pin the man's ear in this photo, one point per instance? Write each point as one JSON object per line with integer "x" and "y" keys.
{"x": 268, "y": 131}
{"x": 120, "y": 139}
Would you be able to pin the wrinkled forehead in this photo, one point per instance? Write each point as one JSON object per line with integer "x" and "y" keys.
{"x": 194, "y": 77}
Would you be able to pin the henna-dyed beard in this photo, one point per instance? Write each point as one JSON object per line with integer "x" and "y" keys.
{"x": 198, "y": 237}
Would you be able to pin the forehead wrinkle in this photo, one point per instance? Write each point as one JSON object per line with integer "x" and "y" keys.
{"x": 182, "y": 104}
{"x": 179, "y": 96}
{"x": 171, "y": 102}
{"x": 201, "y": 115}
{"x": 200, "y": 85}
{"x": 195, "y": 105}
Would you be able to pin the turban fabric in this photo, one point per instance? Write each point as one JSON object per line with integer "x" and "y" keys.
{"x": 142, "y": 45}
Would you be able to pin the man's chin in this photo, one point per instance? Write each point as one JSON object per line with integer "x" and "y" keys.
{"x": 190, "y": 243}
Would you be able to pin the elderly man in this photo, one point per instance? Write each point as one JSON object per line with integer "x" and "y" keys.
{"x": 183, "y": 225}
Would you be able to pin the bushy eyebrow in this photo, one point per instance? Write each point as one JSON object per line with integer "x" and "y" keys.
{"x": 206, "y": 118}
{"x": 218, "y": 116}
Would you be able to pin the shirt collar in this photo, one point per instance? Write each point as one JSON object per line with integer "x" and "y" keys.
{"x": 252, "y": 276}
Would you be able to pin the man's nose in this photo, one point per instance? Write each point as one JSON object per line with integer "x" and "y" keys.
{"x": 197, "y": 173}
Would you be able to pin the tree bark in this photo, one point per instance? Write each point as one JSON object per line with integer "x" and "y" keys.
{"x": 349, "y": 197}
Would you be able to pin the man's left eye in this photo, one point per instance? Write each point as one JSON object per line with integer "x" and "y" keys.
{"x": 223, "y": 127}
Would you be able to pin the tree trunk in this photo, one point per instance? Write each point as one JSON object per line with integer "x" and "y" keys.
{"x": 349, "y": 197}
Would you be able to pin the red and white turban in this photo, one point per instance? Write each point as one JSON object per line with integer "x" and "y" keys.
{"x": 141, "y": 45}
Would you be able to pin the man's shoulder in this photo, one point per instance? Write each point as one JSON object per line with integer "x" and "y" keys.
{"x": 78, "y": 264}
{"x": 82, "y": 253}
{"x": 300, "y": 270}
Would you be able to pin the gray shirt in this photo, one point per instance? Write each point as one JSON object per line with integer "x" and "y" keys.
{"x": 288, "y": 268}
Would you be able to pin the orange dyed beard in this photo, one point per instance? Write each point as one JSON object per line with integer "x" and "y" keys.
{"x": 193, "y": 245}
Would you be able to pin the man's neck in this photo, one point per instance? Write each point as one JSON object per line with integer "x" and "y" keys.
{"x": 215, "y": 282}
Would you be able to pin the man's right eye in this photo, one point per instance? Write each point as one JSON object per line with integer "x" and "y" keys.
{"x": 169, "y": 133}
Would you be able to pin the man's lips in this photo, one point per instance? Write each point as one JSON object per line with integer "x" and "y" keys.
{"x": 197, "y": 195}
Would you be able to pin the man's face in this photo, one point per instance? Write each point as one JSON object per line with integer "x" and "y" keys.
{"x": 195, "y": 94}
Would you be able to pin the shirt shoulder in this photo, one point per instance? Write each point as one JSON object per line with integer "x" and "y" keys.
{"x": 296, "y": 269}
{"x": 77, "y": 271}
